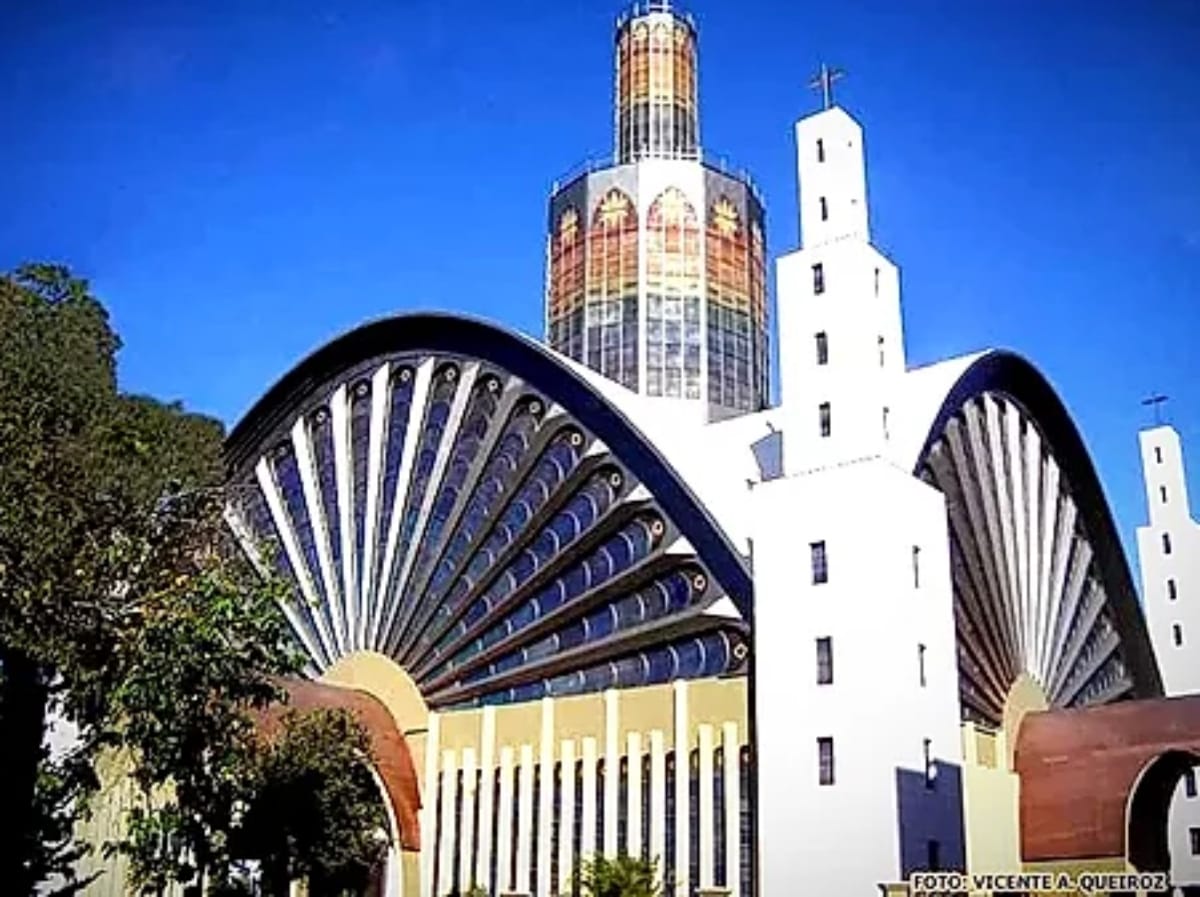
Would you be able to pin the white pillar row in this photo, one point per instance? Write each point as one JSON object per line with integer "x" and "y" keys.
{"x": 683, "y": 762}
{"x": 445, "y": 875}
{"x": 587, "y": 819}
{"x": 429, "y": 797}
{"x": 466, "y": 840}
{"x": 612, "y": 772}
{"x": 566, "y": 825}
{"x": 707, "y": 853}
{"x": 658, "y": 798}
{"x": 545, "y": 830}
{"x": 504, "y": 833}
{"x": 487, "y": 797}
{"x": 633, "y": 825}
{"x": 733, "y": 807}
{"x": 524, "y": 820}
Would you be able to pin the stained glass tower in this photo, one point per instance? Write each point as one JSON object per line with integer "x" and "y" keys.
{"x": 655, "y": 271}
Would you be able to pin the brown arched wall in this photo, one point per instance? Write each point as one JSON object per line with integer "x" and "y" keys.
{"x": 1095, "y": 781}
{"x": 392, "y": 759}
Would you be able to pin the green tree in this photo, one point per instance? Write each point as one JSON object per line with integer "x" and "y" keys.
{"x": 81, "y": 470}
{"x": 316, "y": 812}
{"x": 622, "y": 876}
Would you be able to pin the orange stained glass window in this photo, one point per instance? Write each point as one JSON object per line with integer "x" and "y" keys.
{"x": 566, "y": 265}
{"x": 758, "y": 277}
{"x": 639, "y": 62}
{"x": 673, "y": 245}
{"x": 684, "y": 65}
{"x": 727, "y": 256}
{"x": 612, "y": 247}
{"x": 660, "y": 63}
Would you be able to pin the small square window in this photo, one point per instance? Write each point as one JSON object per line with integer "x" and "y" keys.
{"x": 825, "y": 419}
{"x": 1166, "y": 542}
{"x": 820, "y": 150}
{"x": 1189, "y": 783}
{"x": 825, "y": 759}
{"x": 822, "y": 348}
{"x": 818, "y": 271}
{"x": 820, "y": 563}
{"x": 1172, "y": 593}
{"x": 1194, "y": 837}
{"x": 1177, "y": 635}
{"x": 824, "y": 209}
{"x": 825, "y": 661}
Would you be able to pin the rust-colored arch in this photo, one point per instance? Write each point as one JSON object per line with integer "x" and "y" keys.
{"x": 1088, "y": 774}
{"x": 393, "y": 761}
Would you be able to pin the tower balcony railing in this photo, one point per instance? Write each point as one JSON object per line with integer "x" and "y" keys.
{"x": 715, "y": 161}
{"x": 646, "y": 7}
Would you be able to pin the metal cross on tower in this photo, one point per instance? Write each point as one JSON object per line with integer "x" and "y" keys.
{"x": 823, "y": 81}
{"x": 1156, "y": 402}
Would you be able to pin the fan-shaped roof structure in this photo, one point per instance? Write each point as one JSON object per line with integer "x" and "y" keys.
{"x": 1040, "y": 579}
{"x": 460, "y": 498}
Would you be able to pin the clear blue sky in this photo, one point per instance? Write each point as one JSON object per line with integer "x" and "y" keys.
{"x": 241, "y": 180}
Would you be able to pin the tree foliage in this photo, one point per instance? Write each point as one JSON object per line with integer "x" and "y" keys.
{"x": 620, "y": 876}
{"x": 126, "y": 610}
{"x": 316, "y": 812}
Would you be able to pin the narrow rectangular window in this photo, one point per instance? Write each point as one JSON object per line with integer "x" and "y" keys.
{"x": 818, "y": 278}
{"x": 820, "y": 150}
{"x": 825, "y": 755}
{"x": 1177, "y": 635}
{"x": 1166, "y": 543}
{"x": 885, "y": 424}
{"x": 930, "y": 769}
{"x": 1172, "y": 594}
{"x": 916, "y": 566}
{"x": 1189, "y": 783}
{"x": 1157, "y": 455}
{"x": 921, "y": 664}
{"x": 824, "y": 209}
{"x": 825, "y": 661}
{"x": 879, "y": 344}
{"x": 876, "y": 281}
{"x": 820, "y": 563}
{"x": 933, "y": 856}
{"x": 1194, "y": 837}
{"x": 824, "y": 415}
{"x": 1162, "y": 494}
{"x": 822, "y": 348}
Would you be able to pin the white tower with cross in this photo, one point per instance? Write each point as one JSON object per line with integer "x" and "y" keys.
{"x": 846, "y": 800}
{"x": 1169, "y": 557}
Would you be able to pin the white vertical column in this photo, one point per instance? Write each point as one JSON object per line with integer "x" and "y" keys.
{"x": 566, "y": 825}
{"x": 587, "y": 819}
{"x": 429, "y": 797}
{"x": 504, "y": 833}
{"x": 445, "y": 876}
{"x": 633, "y": 803}
{"x": 545, "y": 829}
{"x": 707, "y": 857}
{"x": 393, "y": 879}
{"x": 683, "y": 762}
{"x": 487, "y": 798}
{"x": 466, "y": 840}
{"x": 733, "y": 807}
{"x": 658, "y": 798}
{"x": 524, "y": 820}
{"x": 612, "y": 771}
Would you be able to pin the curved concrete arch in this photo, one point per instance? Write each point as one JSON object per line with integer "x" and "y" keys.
{"x": 1037, "y": 582}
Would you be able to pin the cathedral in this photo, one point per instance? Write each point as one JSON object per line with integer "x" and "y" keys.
{"x": 598, "y": 595}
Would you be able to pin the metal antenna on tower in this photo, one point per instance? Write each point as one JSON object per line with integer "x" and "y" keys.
{"x": 823, "y": 81}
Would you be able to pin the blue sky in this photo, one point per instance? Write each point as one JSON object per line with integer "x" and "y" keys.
{"x": 241, "y": 180}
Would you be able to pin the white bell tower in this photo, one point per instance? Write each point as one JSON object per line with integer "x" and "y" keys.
{"x": 841, "y": 343}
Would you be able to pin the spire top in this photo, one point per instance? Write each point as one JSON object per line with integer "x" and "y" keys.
{"x": 823, "y": 81}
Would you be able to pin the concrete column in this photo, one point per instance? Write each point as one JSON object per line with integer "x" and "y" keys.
{"x": 633, "y": 824}
{"x": 566, "y": 830}
{"x": 504, "y": 832}
{"x": 658, "y": 798}
{"x": 683, "y": 760}
{"x": 733, "y": 806}
{"x": 445, "y": 876}
{"x": 466, "y": 850}
{"x": 524, "y": 820}
{"x": 612, "y": 771}
{"x": 487, "y": 797}
{"x": 429, "y": 797}
{"x": 587, "y": 819}
{"x": 707, "y": 854}
{"x": 545, "y": 829}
